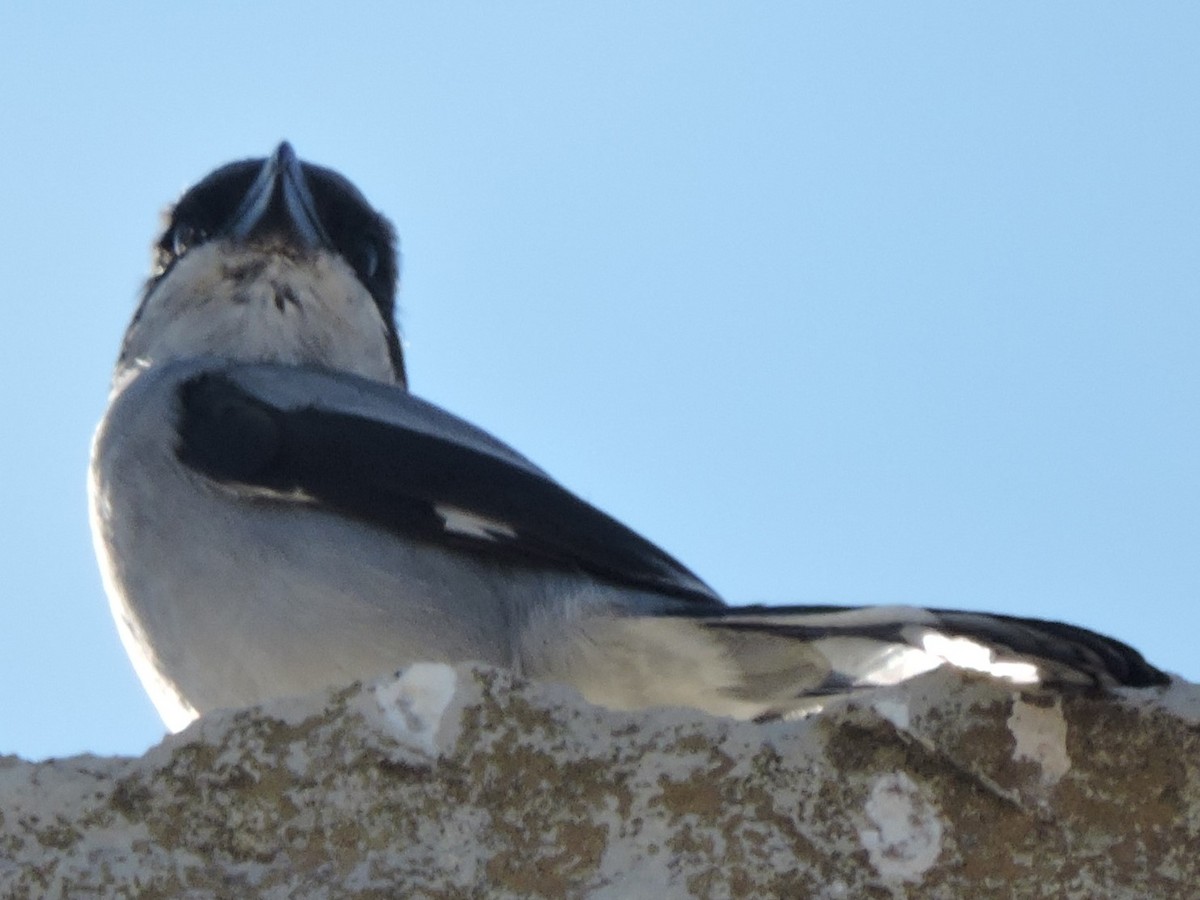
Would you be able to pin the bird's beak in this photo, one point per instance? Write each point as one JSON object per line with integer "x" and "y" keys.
{"x": 279, "y": 201}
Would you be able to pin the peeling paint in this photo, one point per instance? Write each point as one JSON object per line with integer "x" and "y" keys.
{"x": 1041, "y": 737}
{"x": 412, "y": 706}
{"x": 894, "y": 710}
{"x": 905, "y": 835}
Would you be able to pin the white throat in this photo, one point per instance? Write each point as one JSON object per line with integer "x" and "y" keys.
{"x": 261, "y": 305}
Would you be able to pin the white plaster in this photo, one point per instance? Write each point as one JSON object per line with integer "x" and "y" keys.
{"x": 412, "y": 706}
{"x": 894, "y": 710}
{"x": 904, "y": 837}
{"x": 1041, "y": 737}
{"x": 298, "y": 761}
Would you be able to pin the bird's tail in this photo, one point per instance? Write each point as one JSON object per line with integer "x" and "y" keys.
{"x": 822, "y": 651}
{"x": 766, "y": 662}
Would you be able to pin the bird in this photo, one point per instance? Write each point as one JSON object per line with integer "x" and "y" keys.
{"x": 274, "y": 513}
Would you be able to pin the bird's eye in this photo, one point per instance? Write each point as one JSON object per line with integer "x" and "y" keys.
{"x": 184, "y": 237}
{"x": 366, "y": 260}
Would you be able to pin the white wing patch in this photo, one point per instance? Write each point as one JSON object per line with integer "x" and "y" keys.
{"x": 868, "y": 662}
{"x": 467, "y": 523}
{"x": 967, "y": 654}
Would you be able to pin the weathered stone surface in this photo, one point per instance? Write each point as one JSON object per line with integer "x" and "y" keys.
{"x": 458, "y": 782}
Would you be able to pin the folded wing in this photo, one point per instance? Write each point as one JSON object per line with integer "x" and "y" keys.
{"x": 378, "y": 455}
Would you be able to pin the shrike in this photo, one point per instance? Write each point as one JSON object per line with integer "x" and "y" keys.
{"x": 274, "y": 513}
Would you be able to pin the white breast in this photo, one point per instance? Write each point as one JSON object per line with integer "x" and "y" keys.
{"x": 223, "y": 601}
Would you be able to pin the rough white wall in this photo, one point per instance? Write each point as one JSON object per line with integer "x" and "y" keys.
{"x": 457, "y": 782}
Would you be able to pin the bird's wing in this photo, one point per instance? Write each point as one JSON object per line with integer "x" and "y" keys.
{"x": 377, "y": 454}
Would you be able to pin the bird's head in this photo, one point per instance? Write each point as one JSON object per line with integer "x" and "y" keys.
{"x": 272, "y": 260}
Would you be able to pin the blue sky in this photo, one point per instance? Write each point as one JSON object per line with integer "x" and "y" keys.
{"x": 848, "y": 303}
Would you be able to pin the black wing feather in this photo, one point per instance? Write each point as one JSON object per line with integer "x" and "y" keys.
{"x": 392, "y": 477}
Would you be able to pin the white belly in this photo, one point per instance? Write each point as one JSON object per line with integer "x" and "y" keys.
{"x": 224, "y": 601}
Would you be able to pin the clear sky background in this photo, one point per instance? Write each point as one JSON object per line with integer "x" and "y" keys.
{"x": 849, "y": 303}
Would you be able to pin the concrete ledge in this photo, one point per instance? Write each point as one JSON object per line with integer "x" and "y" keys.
{"x": 460, "y": 781}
